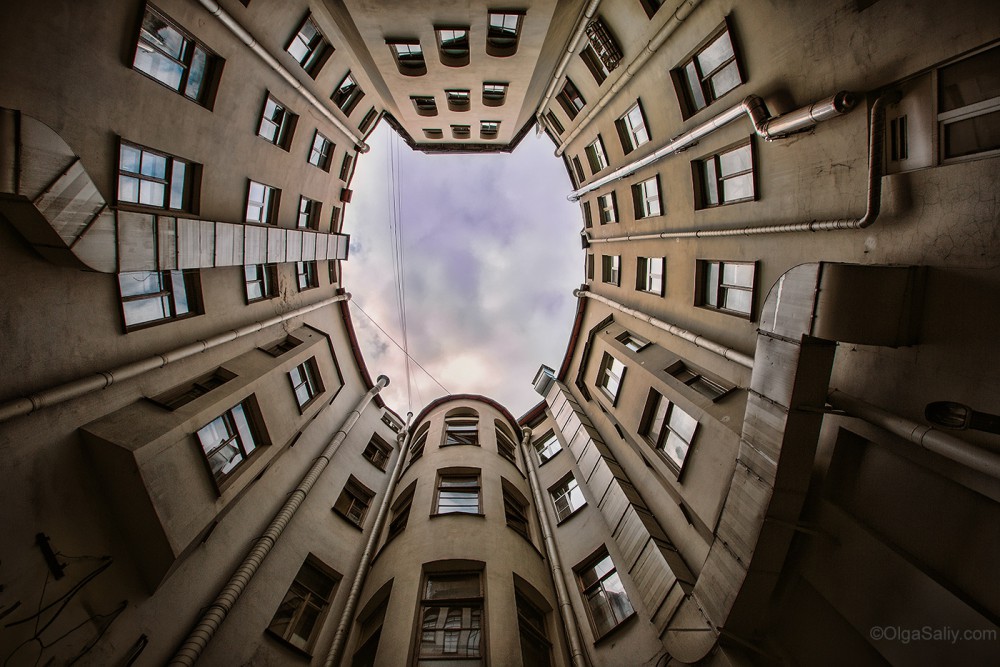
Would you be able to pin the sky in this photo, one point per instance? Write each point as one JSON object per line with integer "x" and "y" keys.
{"x": 490, "y": 252}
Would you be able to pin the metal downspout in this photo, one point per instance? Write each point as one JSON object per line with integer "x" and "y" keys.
{"x": 959, "y": 451}
{"x": 577, "y": 655}
{"x": 578, "y": 31}
{"x": 668, "y": 28}
{"x": 91, "y": 383}
{"x": 339, "y": 639}
{"x": 251, "y": 42}
{"x": 210, "y": 621}
{"x": 697, "y": 339}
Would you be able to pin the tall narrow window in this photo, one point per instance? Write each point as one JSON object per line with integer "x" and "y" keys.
{"x": 494, "y": 94}
{"x": 262, "y": 203}
{"x": 632, "y": 128}
{"x": 147, "y": 177}
{"x": 606, "y": 600}
{"x": 610, "y": 376}
{"x": 503, "y": 33}
{"x": 588, "y": 218}
{"x": 400, "y": 513}
{"x": 228, "y": 440}
{"x": 461, "y": 430}
{"x": 347, "y": 94}
{"x": 535, "y": 646}
{"x": 451, "y": 620}
{"x": 260, "y": 281}
{"x": 309, "y": 212}
{"x": 300, "y": 616}
{"x": 649, "y": 274}
{"x": 368, "y": 120}
{"x": 590, "y": 266}
{"x": 309, "y": 47}
{"x": 725, "y": 286}
{"x": 553, "y": 120}
{"x": 453, "y": 46}
{"x": 409, "y": 57}
{"x": 725, "y": 178}
{"x": 668, "y": 429}
{"x": 646, "y": 198}
{"x": 596, "y": 155}
{"x": 369, "y": 633}
{"x": 607, "y": 206}
{"x": 546, "y": 447}
{"x": 505, "y": 443}
{"x": 418, "y": 443}
{"x": 710, "y": 72}
{"x": 377, "y": 451}
{"x": 346, "y": 167}
{"x": 566, "y": 497}
{"x": 168, "y": 54}
{"x": 459, "y": 494}
{"x": 276, "y": 123}
{"x": 516, "y": 512}
{"x": 570, "y": 99}
{"x": 354, "y": 501}
{"x": 306, "y": 275}
{"x": 306, "y": 382}
{"x": 321, "y": 152}
{"x": 969, "y": 106}
{"x": 152, "y": 297}
{"x": 611, "y": 268}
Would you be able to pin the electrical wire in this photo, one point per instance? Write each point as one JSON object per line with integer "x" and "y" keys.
{"x": 394, "y": 207}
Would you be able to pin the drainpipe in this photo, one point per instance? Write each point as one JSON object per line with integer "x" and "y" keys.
{"x": 581, "y": 27}
{"x": 697, "y": 339}
{"x": 681, "y": 13}
{"x": 333, "y": 656}
{"x": 104, "y": 379}
{"x": 764, "y": 125}
{"x": 577, "y": 656}
{"x": 251, "y": 43}
{"x": 964, "y": 453}
{"x": 876, "y": 138}
{"x": 203, "y": 632}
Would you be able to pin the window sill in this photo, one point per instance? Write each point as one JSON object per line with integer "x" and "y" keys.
{"x": 441, "y": 514}
{"x": 613, "y": 631}
{"x": 550, "y": 458}
{"x": 302, "y": 653}
{"x": 733, "y": 313}
{"x": 349, "y": 522}
{"x": 570, "y": 515}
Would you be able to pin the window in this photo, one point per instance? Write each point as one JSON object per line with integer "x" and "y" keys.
{"x": 158, "y": 180}
{"x": 651, "y": 6}
{"x": 286, "y": 344}
{"x": 725, "y": 286}
{"x": 460, "y": 131}
{"x": 725, "y": 178}
{"x": 601, "y": 54}
{"x": 433, "y": 133}
{"x": 897, "y": 139}
{"x": 409, "y": 58}
{"x": 347, "y": 94}
{"x": 166, "y": 53}
{"x": 306, "y": 382}
{"x": 580, "y": 175}
{"x": 566, "y": 497}
{"x": 333, "y": 268}
{"x": 606, "y": 601}
{"x": 632, "y": 128}
{"x": 261, "y": 281}
{"x": 305, "y": 275}
{"x": 649, "y": 274}
{"x": 300, "y": 615}
{"x": 631, "y": 341}
{"x": 610, "y": 376}
{"x": 594, "y": 64}
{"x": 494, "y": 94}
{"x": 646, "y": 198}
{"x": 309, "y": 47}
{"x": 546, "y": 447}
{"x": 516, "y": 512}
{"x": 535, "y": 645}
{"x": 453, "y": 46}
{"x": 458, "y": 494}
{"x": 461, "y": 430}
{"x": 596, "y": 155}
{"x": 969, "y": 106}
{"x": 368, "y": 119}
{"x": 699, "y": 380}
{"x": 184, "y": 394}
{"x": 346, "y": 166}
{"x": 276, "y": 123}
{"x": 369, "y": 633}
{"x": 503, "y": 33}
{"x": 400, "y": 513}
{"x": 377, "y": 452}
{"x": 153, "y": 297}
{"x": 570, "y": 99}
{"x": 489, "y": 129}
{"x": 607, "y": 206}
{"x": 588, "y": 219}
{"x": 710, "y": 73}
{"x": 611, "y": 269}
{"x": 424, "y": 105}
{"x": 321, "y": 152}
{"x": 554, "y": 122}
{"x": 506, "y": 446}
{"x": 262, "y": 203}
{"x": 229, "y": 440}
{"x": 668, "y": 429}
{"x": 458, "y": 100}
{"x": 417, "y": 444}
{"x": 354, "y": 501}
{"x": 309, "y": 212}
{"x": 590, "y": 266}
{"x": 451, "y": 620}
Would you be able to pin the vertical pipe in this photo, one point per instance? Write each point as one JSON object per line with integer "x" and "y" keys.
{"x": 217, "y": 612}
{"x": 555, "y": 563}
{"x": 337, "y": 646}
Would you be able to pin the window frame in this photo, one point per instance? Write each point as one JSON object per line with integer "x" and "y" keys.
{"x": 702, "y": 284}
{"x": 611, "y": 270}
{"x": 347, "y": 100}
{"x": 268, "y": 205}
{"x": 191, "y": 391}
{"x": 192, "y": 301}
{"x": 453, "y": 50}
{"x": 256, "y": 434}
{"x": 267, "y": 276}
{"x": 459, "y": 99}
{"x": 657, "y": 430}
{"x": 642, "y": 200}
{"x": 461, "y": 430}
{"x": 284, "y": 127}
{"x": 308, "y": 377}
{"x": 306, "y": 275}
{"x": 631, "y": 133}
{"x": 489, "y": 129}
{"x": 400, "y": 514}
{"x": 495, "y": 93}
{"x": 321, "y": 157}
{"x": 699, "y": 380}
{"x": 317, "y": 50}
{"x": 608, "y": 373}
{"x": 295, "y": 592}
{"x": 461, "y": 131}
{"x": 966, "y": 112}
{"x": 516, "y": 510}
{"x": 310, "y": 211}
{"x": 632, "y": 342}
{"x": 445, "y": 485}
{"x": 509, "y": 448}
{"x": 644, "y": 274}
{"x": 591, "y": 564}
{"x": 701, "y": 176}
{"x": 597, "y": 155}
{"x": 502, "y": 41}
{"x": 409, "y": 62}
{"x": 471, "y": 603}
{"x": 567, "y": 488}
{"x": 689, "y": 105}
{"x": 607, "y": 215}
{"x": 377, "y": 452}
{"x": 548, "y": 439}
{"x": 354, "y": 495}
{"x": 567, "y": 98}
{"x": 189, "y": 189}
{"x": 421, "y": 106}
{"x": 531, "y": 630}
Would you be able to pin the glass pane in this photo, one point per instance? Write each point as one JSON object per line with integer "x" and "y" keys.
{"x": 303, "y": 629}
{"x": 735, "y": 161}
{"x": 600, "y": 611}
{"x": 302, "y": 394}
{"x": 716, "y": 53}
{"x": 659, "y": 415}
{"x": 128, "y": 189}
{"x": 709, "y": 179}
{"x": 128, "y": 159}
{"x": 738, "y": 274}
{"x": 213, "y": 434}
{"x": 152, "y": 193}
{"x": 225, "y": 459}
{"x": 158, "y": 66}
{"x": 145, "y": 310}
{"x": 446, "y": 587}
{"x": 139, "y": 282}
{"x": 154, "y": 165}
{"x": 315, "y": 580}
{"x": 973, "y": 135}
{"x": 158, "y": 32}
{"x": 177, "y": 183}
{"x": 969, "y": 81}
{"x": 682, "y": 423}
{"x": 256, "y": 192}
{"x": 725, "y": 80}
{"x": 179, "y": 289}
{"x": 738, "y": 300}
{"x": 694, "y": 86}
{"x": 196, "y": 74}
{"x": 617, "y": 596}
{"x": 737, "y": 187}
{"x": 243, "y": 428}
{"x": 449, "y": 482}
{"x": 711, "y": 283}
{"x": 283, "y": 616}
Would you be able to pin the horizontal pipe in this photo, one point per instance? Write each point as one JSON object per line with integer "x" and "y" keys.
{"x": 91, "y": 383}
{"x": 700, "y": 341}
{"x": 959, "y": 451}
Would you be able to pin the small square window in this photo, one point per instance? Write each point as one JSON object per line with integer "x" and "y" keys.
{"x": 546, "y": 447}
{"x": 377, "y": 452}
{"x": 309, "y": 212}
{"x": 347, "y": 94}
{"x": 152, "y": 179}
{"x": 632, "y": 128}
{"x": 453, "y": 46}
{"x": 610, "y": 377}
{"x": 306, "y": 382}
{"x": 461, "y": 431}
{"x": 649, "y": 274}
{"x": 309, "y": 47}
{"x": 566, "y": 497}
{"x": 277, "y": 123}
{"x": 300, "y": 615}
{"x": 725, "y": 286}
{"x": 433, "y": 133}
{"x": 494, "y": 94}
{"x": 460, "y": 131}
{"x": 260, "y": 281}
{"x": 570, "y": 99}
{"x": 611, "y": 266}
{"x": 503, "y": 33}
{"x": 458, "y": 100}
{"x": 725, "y": 178}
{"x": 459, "y": 494}
{"x": 354, "y": 501}
{"x": 262, "y": 204}
{"x": 631, "y": 341}
{"x": 489, "y": 129}
{"x": 306, "y": 275}
{"x": 708, "y": 74}
{"x": 168, "y": 54}
{"x": 646, "y": 198}
{"x": 424, "y": 105}
{"x": 596, "y": 155}
{"x": 607, "y": 206}
{"x": 409, "y": 57}
{"x": 321, "y": 152}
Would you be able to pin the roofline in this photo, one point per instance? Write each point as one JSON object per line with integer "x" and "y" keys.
{"x": 581, "y": 306}
{"x": 534, "y": 413}
{"x": 469, "y": 397}
{"x": 359, "y": 360}
{"x": 457, "y": 148}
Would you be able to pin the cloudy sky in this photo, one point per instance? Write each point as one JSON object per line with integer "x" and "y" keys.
{"x": 491, "y": 254}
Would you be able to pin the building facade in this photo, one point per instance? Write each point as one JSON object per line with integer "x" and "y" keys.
{"x": 770, "y": 441}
